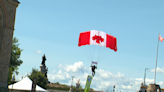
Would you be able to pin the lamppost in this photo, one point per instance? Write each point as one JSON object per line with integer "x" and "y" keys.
{"x": 72, "y": 80}
{"x": 72, "y": 83}
{"x": 114, "y": 88}
{"x": 145, "y": 75}
{"x": 77, "y": 84}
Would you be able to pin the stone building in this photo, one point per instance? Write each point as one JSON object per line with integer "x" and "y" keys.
{"x": 7, "y": 23}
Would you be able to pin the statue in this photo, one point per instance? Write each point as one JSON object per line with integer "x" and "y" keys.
{"x": 43, "y": 60}
{"x": 43, "y": 67}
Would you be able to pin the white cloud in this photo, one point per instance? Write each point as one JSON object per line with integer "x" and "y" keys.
{"x": 158, "y": 70}
{"x": 76, "y": 68}
{"x": 102, "y": 79}
{"x": 149, "y": 80}
{"x": 59, "y": 76}
{"x": 38, "y": 51}
{"x": 107, "y": 75}
{"x": 161, "y": 83}
{"x": 54, "y": 71}
{"x": 126, "y": 87}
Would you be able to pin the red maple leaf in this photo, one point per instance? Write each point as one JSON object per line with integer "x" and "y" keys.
{"x": 98, "y": 39}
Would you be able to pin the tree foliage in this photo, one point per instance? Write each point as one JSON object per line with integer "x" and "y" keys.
{"x": 15, "y": 60}
{"x": 41, "y": 79}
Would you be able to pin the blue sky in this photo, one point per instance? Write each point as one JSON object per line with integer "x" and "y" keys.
{"x": 53, "y": 27}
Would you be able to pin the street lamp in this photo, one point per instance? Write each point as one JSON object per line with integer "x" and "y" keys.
{"x": 145, "y": 75}
{"x": 71, "y": 84}
{"x": 77, "y": 84}
{"x": 114, "y": 88}
{"x": 72, "y": 80}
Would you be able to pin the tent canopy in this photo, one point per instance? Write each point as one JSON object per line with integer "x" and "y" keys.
{"x": 25, "y": 84}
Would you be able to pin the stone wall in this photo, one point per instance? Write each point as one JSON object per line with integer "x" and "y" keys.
{"x": 51, "y": 90}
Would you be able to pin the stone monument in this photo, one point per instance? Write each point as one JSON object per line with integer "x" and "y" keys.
{"x": 7, "y": 23}
{"x": 43, "y": 67}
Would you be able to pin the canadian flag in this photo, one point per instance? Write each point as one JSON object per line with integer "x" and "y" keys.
{"x": 161, "y": 38}
{"x": 94, "y": 37}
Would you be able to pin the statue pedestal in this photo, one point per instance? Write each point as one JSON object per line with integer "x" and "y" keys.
{"x": 43, "y": 68}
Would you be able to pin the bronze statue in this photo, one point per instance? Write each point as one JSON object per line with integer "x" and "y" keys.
{"x": 43, "y": 59}
{"x": 43, "y": 63}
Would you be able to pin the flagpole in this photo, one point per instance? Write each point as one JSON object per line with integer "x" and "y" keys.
{"x": 156, "y": 60}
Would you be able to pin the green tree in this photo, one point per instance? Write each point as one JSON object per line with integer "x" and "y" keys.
{"x": 15, "y": 60}
{"x": 57, "y": 83}
{"x": 41, "y": 79}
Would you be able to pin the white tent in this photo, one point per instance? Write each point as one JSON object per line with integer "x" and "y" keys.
{"x": 25, "y": 84}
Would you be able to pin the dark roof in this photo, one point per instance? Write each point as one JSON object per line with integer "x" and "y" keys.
{"x": 16, "y": 1}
